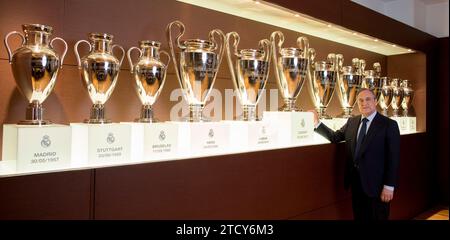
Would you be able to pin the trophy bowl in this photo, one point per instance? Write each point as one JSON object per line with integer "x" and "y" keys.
{"x": 386, "y": 93}
{"x": 322, "y": 77}
{"x": 397, "y": 96}
{"x": 99, "y": 72}
{"x": 408, "y": 97}
{"x": 291, "y": 66}
{"x": 250, "y": 73}
{"x": 35, "y": 66}
{"x": 349, "y": 81}
{"x": 196, "y": 67}
{"x": 149, "y": 74}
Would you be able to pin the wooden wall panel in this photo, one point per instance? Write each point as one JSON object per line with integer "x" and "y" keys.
{"x": 51, "y": 196}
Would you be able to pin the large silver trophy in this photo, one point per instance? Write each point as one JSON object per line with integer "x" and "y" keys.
{"x": 149, "y": 74}
{"x": 35, "y": 67}
{"x": 291, "y": 66}
{"x": 372, "y": 80}
{"x": 249, "y": 72}
{"x": 99, "y": 72}
{"x": 386, "y": 93}
{"x": 408, "y": 97}
{"x": 322, "y": 76}
{"x": 397, "y": 96}
{"x": 196, "y": 67}
{"x": 349, "y": 83}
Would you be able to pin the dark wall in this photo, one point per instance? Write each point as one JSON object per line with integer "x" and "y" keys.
{"x": 443, "y": 121}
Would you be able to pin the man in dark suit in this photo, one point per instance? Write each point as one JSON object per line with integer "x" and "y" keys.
{"x": 373, "y": 148}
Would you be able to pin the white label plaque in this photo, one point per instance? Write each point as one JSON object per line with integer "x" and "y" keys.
{"x": 101, "y": 143}
{"x": 402, "y": 123}
{"x": 412, "y": 126}
{"x": 200, "y": 138}
{"x": 37, "y": 148}
{"x": 251, "y": 135}
{"x": 292, "y": 127}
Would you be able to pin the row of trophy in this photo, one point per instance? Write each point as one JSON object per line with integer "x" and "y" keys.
{"x": 35, "y": 67}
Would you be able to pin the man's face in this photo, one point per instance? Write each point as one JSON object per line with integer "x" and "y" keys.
{"x": 366, "y": 103}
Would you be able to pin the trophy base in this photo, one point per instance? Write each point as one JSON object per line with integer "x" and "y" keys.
{"x": 345, "y": 115}
{"x": 34, "y": 122}
{"x": 287, "y": 108}
{"x": 325, "y": 116}
{"x": 244, "y": 118}
{"x": 97, "y": 121}
{"x": 146, "y": 120}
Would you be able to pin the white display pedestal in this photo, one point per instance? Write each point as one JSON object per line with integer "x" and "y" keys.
{"x": 98, "y": 144}
{"x": 291, "y": 127}
{"x": 251, "y": 135}
{"x": 339, "y": 123}
{"x": 153, "y": 141}
{"x": 36, "y": 148}
{"x": 403, "y": 124}
{"x": 329, "y": 123}
{"x": 412, "y": 124}
{"x": 202, "y": 138}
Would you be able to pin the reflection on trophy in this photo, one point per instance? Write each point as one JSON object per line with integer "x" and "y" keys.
{"x": 322, "y": 76}
{"x": 149, "y": 74}
{"x": 197, "y": 67}
{"x": 35, "y": 66}
{"x": 99, "y": 71}
{"x": 349, "y": 83}
{"x": 397, "y": 96}
{"x": 291, "y": 67}
{"x": 251, "y": 73}
{"x": 408, "y": 97}
{"x": 373, "y": 81}
{"x": 385, "y": 95}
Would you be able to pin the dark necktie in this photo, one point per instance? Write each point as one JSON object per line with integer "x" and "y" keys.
{"x": 361, "y": 135}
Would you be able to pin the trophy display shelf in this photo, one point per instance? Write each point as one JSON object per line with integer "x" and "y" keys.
{"x": 37, "y": 147}
{"x": 251, "y": 135}
{"x": 153, "y": 141}
{"x": 291, "y": 127}
{"x": 96, "y": 144}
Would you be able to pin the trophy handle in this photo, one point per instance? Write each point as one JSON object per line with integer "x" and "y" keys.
{"x": 123, "y": 52}
{"x": 167, "y": 55}
{"x": 236, "y": 38}
{"x": 303, "y": 43}
{"x": 276, "y": 49}
{"x": 339, "y": 62}
{"x": 162, "y": 52}
{"x": 221, "y": 47}
{"x": 312, "y": 56}
{"x": 7, "y": 45}
{"x": 129, "y": 57}
{"x": 377, "y": 68}
{"x": 264, "y": 44}
{"x": 65, "y": 48}
{"x": 172, "y": 49}
{"x": 75, "y": 49}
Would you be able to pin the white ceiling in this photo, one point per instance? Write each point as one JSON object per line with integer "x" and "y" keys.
{"x": 430, "y": 16}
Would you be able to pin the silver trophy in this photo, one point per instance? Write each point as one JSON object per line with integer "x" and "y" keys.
{"x": 149, "y": 74}
{"x": 385, "y": 95}
{"x": 291, "y": 66}
{"x": 349, "y": 83}
{"x": 408, "y": 97}
{"x": 99, "y": 72}
{"x": 372, "y": 80}
{"x": 322, "y": 76}
{"x": 249, "y": 72}
{"x": 196, "y": 67}
{"x": 35, "y": 67}
{"x": 397, "y": 96}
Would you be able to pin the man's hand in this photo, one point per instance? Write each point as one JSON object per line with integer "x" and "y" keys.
{"x": 316, "y": 116}
{"x": 386, "y": 195}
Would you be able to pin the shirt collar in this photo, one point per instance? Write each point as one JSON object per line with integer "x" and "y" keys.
{"x": 370, "y": 117}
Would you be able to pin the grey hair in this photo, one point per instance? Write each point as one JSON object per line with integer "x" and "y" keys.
{"x": 369, "y": 90}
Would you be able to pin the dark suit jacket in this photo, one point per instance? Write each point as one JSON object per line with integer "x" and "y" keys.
{"x": 378, "y": 158}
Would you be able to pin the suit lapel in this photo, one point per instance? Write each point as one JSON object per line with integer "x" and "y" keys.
{"x": 373, "y": 129}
